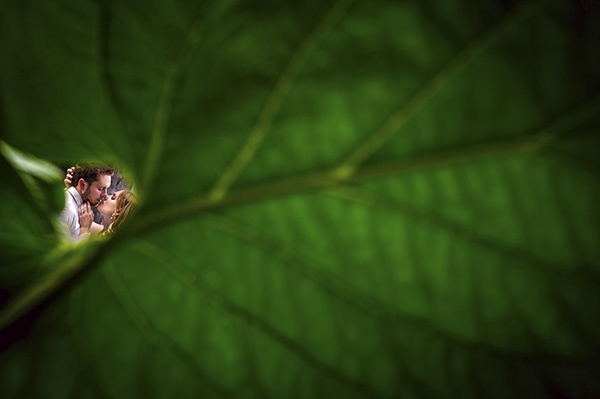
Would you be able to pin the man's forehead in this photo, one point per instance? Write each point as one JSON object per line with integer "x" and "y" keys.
{"x": 102, "y": 180}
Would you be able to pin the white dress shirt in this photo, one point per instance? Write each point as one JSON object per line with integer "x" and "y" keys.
{"x": 70, "y": 214}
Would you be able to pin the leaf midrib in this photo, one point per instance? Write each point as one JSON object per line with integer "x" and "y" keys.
{"x": 329, "y": 178}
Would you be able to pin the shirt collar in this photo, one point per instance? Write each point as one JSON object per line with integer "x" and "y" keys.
{"x": 75, "y": 194}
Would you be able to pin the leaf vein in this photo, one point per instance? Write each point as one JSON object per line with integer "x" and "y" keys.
{"x": 273, "y": 104}
{"x": 167, "y": 98}
{"x": 107, "y": 85}
{"x": 384, "y": 313}
{"x": 395, "y": 122}
{"x": 219, "y": 301}
{"x": 152, "y": 334}
{"x": 550, "y": 269}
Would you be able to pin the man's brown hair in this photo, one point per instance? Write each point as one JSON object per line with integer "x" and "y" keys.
{"x": 89, "y": 171}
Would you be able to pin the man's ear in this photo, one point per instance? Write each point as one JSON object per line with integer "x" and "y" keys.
{"x": 82, "y": 185}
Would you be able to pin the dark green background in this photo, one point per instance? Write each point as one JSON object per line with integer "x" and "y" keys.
{"x": 356, "y": 199}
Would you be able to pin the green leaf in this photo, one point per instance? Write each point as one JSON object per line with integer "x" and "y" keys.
{"x": 337, "y": 199}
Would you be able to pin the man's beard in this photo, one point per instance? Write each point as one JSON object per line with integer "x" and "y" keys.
{"x": 85, "y": 196}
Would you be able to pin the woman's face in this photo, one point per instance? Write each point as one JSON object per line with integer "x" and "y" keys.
{"x": 108, "y": 207}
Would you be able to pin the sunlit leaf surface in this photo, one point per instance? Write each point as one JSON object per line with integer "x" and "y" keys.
{"x": 353, "y": 199}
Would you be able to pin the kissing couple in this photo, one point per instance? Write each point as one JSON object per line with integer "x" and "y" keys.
{"x": 88, "y": 185}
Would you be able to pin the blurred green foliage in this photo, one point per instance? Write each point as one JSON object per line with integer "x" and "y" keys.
{"x": 338, "y": 199}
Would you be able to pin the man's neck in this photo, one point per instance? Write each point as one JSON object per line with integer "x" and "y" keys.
{"x": 79, "y": 191}
{"x": 75, "y": 195}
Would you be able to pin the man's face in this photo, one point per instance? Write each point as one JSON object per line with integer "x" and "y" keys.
{"x": 96, "y": 191}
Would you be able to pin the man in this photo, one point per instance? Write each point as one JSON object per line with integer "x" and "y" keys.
{"x": 88, "y": 188}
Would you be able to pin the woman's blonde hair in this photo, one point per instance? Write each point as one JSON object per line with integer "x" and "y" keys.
{"x": 126, "y": 203}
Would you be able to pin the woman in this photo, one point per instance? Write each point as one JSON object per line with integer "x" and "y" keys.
{"x": 124, "y": 205}
{"x": 115, "y": 209}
